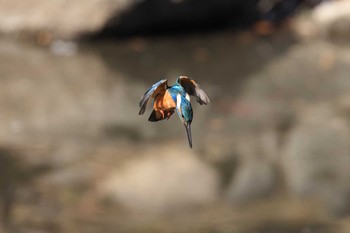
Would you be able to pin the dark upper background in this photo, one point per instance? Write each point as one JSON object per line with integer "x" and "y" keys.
{"x": 271, "y": 153}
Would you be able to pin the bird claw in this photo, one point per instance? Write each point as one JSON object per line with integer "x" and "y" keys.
{"x": 168, "y": 115}
{"x": 162, "y": 112}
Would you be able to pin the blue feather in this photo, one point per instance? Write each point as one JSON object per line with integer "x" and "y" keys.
{"x": 154, "y": 87}
{"x": 186, "y": 109}
{"x": 174, "y": 90}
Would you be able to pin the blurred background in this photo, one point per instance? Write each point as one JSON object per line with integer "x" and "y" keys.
{"x": 271, "y": 152}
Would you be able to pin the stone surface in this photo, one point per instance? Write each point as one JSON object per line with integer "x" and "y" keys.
{"x": 317, "y": 158}
{"x": 253, "y": 180}
{"x": 275, "y": 103}
{"x": 162, "y": 180}
{"x": 53, "y": 96}
{"x": 331, "y": 19}
{"x": 277, "y": 124}
{"x": 57, "y": 18}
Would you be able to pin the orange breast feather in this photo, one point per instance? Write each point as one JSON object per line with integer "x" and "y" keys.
{"x": 164, "y": 102}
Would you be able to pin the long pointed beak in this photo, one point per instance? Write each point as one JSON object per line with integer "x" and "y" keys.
{"x": 189, "y": 135}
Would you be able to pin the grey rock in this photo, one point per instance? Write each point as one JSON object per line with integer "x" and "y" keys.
{"x": 252, "y": 181}
{"x": 56, "y": 18}
{"x": 328, "y": 20}
{"x": 316, "y": 158}
{"x": 58, "y": 96}
{"x": 166, "y": 182}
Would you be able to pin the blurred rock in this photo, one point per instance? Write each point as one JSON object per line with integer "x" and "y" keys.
{"x": 252, "y": 180}
{"x": 270, "y": 115}
{"x": 256, "y": 173}
{"x": 63, "y": 48}
{"x": 317, "y": 158}
{"x": 63, "y": 19}
{"x": 48, "y": 94}
{"x": 15, "y": 175}
{"x": 269, "y": 95}
{"x": 166, "y": 182}
{"x": 330, "y": 19}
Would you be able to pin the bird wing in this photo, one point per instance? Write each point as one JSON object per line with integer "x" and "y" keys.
{"x": 152, "y": 92}
{"x": 193, "y": 88}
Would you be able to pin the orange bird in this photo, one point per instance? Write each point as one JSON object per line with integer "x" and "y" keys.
{"x": 176, "y": 97}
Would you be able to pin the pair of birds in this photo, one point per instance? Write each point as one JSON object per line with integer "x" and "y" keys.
{"x": 167, "y": 99}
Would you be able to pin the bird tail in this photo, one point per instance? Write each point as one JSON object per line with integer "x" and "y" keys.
{"x": 189, "y": 135}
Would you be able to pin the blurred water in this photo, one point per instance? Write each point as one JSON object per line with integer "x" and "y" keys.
{"x": 69, "y": 118}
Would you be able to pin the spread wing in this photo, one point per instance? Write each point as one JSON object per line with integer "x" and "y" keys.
{"x": 157, "y": 88}
{"x": 193, "y": 88}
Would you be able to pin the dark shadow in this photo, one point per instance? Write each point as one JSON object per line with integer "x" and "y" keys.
{"x": 171, "y": 17}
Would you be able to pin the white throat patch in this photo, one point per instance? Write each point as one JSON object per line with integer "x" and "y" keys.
{"x": 178, "y": 101}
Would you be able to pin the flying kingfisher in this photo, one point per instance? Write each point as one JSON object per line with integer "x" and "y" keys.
{"x": 168, "y": 98}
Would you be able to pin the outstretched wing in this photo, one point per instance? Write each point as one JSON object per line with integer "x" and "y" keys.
{"x": 193, "y": 88}
{"x": 157, "y": 88}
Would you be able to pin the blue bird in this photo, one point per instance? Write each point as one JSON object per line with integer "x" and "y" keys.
{"x": 176, "y": 97}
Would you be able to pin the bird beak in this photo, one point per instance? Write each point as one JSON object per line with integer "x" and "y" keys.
{"x": 188, "y": 131}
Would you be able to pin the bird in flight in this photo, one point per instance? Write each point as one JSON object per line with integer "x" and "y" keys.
{"x": 176, "y": 97}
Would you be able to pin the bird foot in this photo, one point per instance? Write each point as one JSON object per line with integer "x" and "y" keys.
{"x": 168, "y": 115}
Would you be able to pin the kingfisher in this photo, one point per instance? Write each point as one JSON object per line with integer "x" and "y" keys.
{"x": 167, "y": 99}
